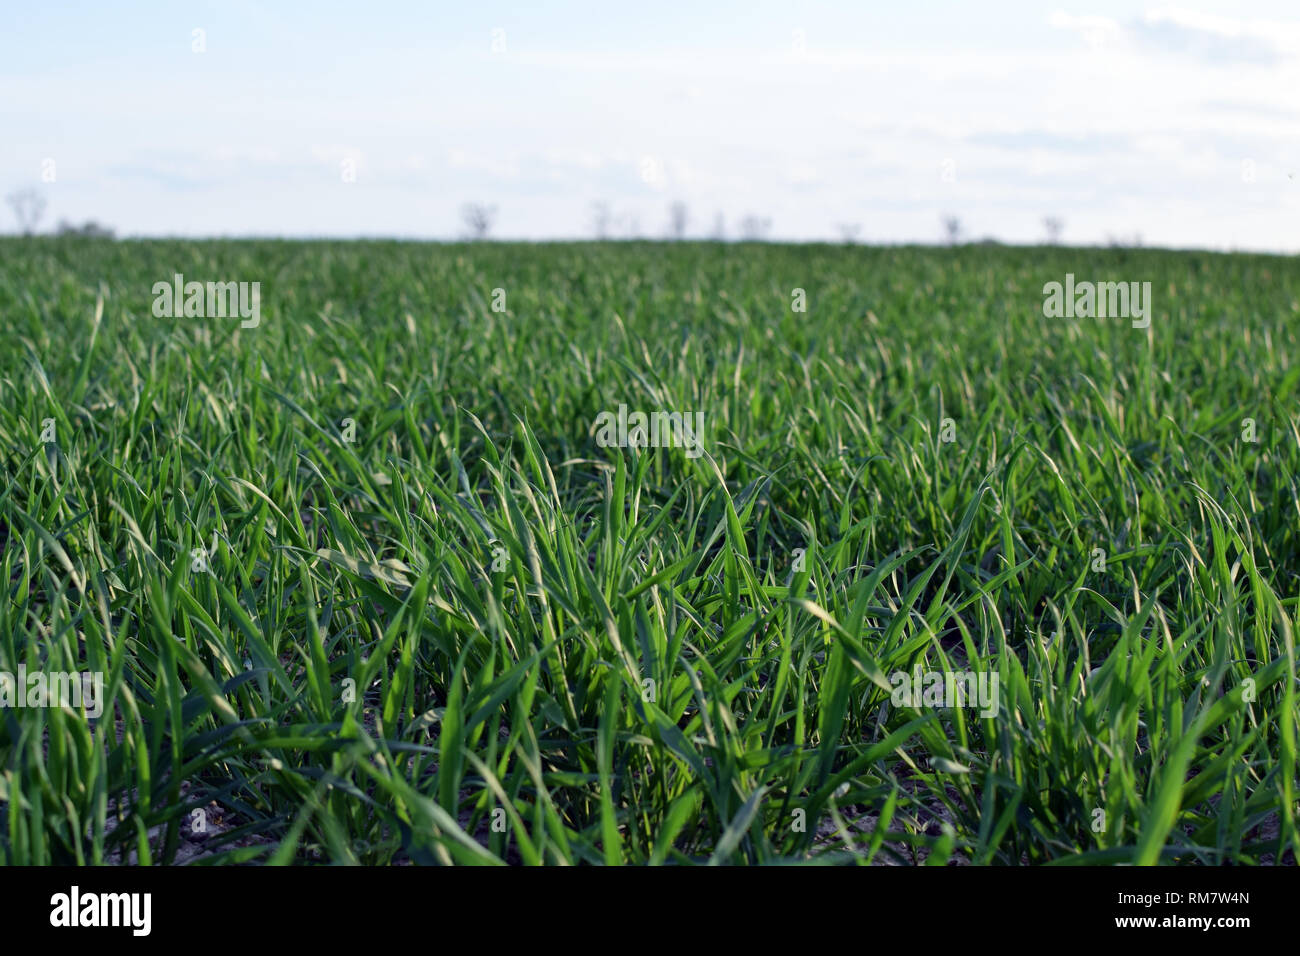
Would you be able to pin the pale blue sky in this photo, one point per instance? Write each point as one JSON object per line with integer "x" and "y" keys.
{"x": 1178, "y": 123}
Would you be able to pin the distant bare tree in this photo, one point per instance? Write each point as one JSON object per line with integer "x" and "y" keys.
{"x": 754, "y": 228}
{"x": 601, "y": 216}
{"x": 849, "y": 231}
{"x": 677, "y": 218}
{"x": 952, "y": 227}
{"x": 1054, "y": 225}
{"x": 28, "y": 206}
{"x": 478, "y": 219}
{"x": 629, "y": 223}
{"x": 719, "y": 228}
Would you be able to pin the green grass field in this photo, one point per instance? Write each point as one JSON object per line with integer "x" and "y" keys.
{"x": 473, "y": 634}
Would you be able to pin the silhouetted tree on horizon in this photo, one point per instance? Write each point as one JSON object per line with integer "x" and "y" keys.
{"x": 754, "y": 228}
{"x": 28, "y": 205}
{"x": 478, "y": 219}
{"x": 601, "y": 216}
{"x": 952, "y": 228}
{"x": 677, "y": 219}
